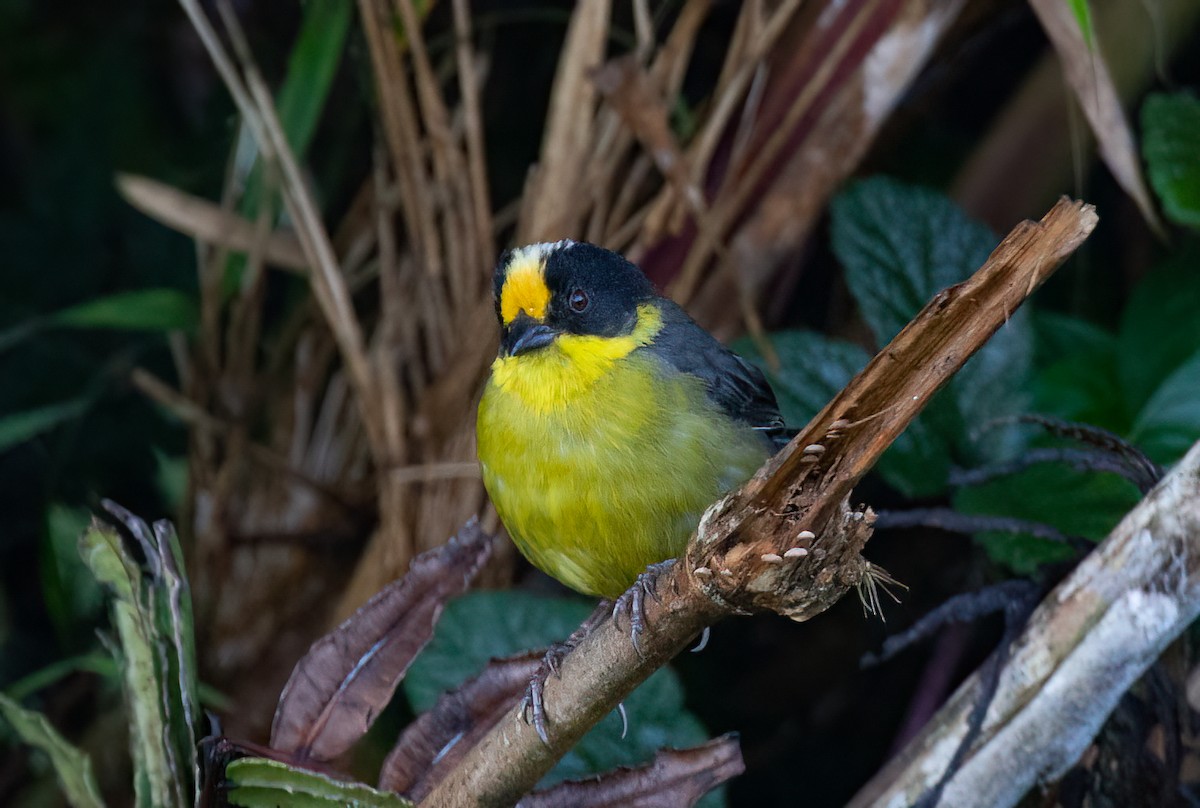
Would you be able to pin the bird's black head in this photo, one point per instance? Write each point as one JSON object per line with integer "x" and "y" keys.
{"x": 546, "y": 290}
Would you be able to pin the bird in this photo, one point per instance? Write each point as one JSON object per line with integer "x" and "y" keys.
{"x": 610, "y": 420}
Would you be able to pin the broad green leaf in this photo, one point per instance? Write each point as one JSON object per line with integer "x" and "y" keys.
{"x": 918, "y": 462}
{"x": 72, "y": 767}
{"x": 1169, "y": 147}
{"x": 19, "y": 427}
{"x": 140, "y": 310}
{"x": 992, "y": 384}
{"x": 481, "y": 625}
{"x": 1083, "y": 387}
{"x": 901, "y": 245}
{"x": 1083, "y": 15}
{"x": 1077, "y": 503}
{"x": 163, "y": 752}
{"x": 153, "y": 770}
{"x": 1020, "y": 552}
{"x": 1170, "y": 422}
{"x": 1057, "y": 335}
{"x": 1160, "y": 328}
{"x": 261, "y": 783}
{"x": 175, "y": 634}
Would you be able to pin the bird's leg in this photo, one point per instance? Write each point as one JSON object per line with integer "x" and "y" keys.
{"x": 632, "y": 603}
{"x": 532, "y": 707}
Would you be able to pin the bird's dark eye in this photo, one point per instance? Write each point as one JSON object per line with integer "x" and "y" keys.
{"x": 578, "y": 301}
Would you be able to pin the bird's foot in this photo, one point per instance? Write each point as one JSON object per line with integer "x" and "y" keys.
{"x": 532, "y": 707}
{"x": 632, "y": 603}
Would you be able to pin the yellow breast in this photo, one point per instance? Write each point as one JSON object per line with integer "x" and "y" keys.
{"x": 600, "y": 459}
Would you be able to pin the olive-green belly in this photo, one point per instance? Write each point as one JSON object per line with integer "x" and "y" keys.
{"x": 595, "y": 491}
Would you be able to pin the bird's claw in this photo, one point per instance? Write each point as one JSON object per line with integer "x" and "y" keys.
{"x": 532, "y": 707}
{"x": 632, "y": 603}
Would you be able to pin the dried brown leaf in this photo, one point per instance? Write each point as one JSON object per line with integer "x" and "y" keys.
{"x": 338, "y": 688}
{"x": 207, "y": 221}
{"x": 676, "y": 778}
{"x": 433, "y": 744}
{"x": 1088, "y": 76}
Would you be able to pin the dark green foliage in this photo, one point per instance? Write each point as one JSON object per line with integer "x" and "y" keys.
{"x": 484, "y": 625}
{"x": 894, "y": 265}
{"x": 1077, "y": 503}
{"x": 261, "y": 783}
{"x": 1160, "y": 327}
{"x": 899, "y": 245}
{"x": 72, "y": 767}
{"x": 902, "y": 244}
{"x": 1169, "y": 127}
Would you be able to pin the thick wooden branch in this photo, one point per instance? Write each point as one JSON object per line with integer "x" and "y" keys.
{"x": 1086, "y": 644}
{"x": 803, "y": 490}
{"x": 786, "y": 541}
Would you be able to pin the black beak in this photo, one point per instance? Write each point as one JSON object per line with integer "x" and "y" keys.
{"x": 526, "y": 334}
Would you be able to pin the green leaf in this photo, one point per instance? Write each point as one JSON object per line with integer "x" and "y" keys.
{"x": 1172, "y": 155}
{"x": 1077, "y": 503}
{"x": 1160, "y": 328}
{"x": 19, "y": 427}
{"x": 140, "y": 310}
{"x": 1083, "y": 387}
{"x": 72, "y": 767}
{"x": 175, "y": 632}
{"x": 918, "y": 462}
{"x": 900, "y": 245}
{"x": 1057, "y": 335}
{"x": 1170, "y": 422}
{"x": 157, "y": 655}
{"x": 261, "y": 783}
{"x": 312, "y": 67}
{"x": 72, "y": 596}
{"x": 98, "y": 663}
{"x": 1083, "y": 16}
{"x": 992, "y": 384}
{"x": 482, "y": 625}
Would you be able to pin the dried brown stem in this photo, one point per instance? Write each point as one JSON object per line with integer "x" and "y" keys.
{"x": 203, "y": 220}
{"x": 738, "y": 561}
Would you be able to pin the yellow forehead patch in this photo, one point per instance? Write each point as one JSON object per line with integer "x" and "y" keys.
{"x": 524, "y": 287}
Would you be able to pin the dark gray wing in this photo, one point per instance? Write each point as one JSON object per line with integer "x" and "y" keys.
{"x": 733, "y": 384}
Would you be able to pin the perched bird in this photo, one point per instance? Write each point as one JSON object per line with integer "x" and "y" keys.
{"x": 611, "y": 421}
